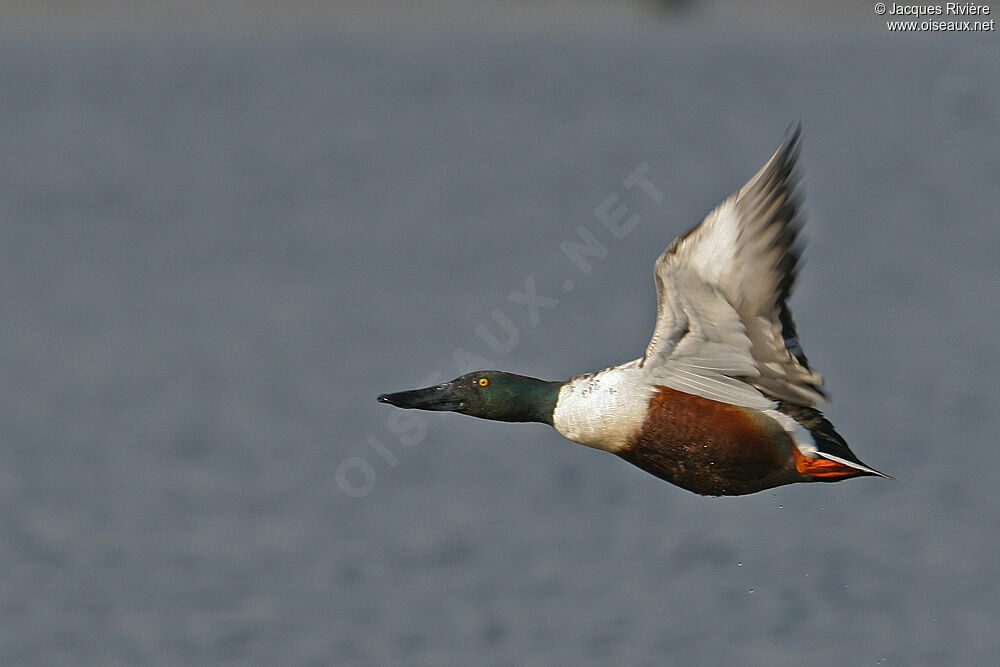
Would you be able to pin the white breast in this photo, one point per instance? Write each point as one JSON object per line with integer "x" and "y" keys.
{"x": 603, "y": 410}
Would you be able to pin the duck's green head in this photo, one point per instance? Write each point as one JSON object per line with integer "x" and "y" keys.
{"x": 486, "y": 394}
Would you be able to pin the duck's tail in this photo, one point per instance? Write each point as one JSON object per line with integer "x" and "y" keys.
{"x": 833, "y": 459}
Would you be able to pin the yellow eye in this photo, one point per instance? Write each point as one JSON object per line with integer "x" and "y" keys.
{"x": 482, "y": 382}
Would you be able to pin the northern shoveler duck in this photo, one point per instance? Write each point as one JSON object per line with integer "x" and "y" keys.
{"x": 722, "y": 402}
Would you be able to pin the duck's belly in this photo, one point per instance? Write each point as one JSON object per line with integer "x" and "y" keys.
{"x": 709, "y": 447}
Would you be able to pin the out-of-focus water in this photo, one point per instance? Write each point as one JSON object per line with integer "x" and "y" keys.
{"x": 216, "y": 250}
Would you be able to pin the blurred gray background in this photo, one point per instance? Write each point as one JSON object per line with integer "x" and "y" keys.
{"x": 226, "y": 227}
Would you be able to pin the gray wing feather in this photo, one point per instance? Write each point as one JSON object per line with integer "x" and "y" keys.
{"x": 721, "y": 291}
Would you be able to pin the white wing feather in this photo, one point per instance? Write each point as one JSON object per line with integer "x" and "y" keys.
{"x": 723, "y": 330}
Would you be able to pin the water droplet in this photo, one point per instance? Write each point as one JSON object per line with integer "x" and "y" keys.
{"x": 751, "y": 591}
{"x": 781, "y": 507}
{"x": 739, "y": 563}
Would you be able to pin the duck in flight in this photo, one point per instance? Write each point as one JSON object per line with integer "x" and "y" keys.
{"x": 723, "y": 401}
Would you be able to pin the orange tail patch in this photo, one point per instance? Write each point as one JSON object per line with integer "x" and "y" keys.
{"x": 821, "y": 467}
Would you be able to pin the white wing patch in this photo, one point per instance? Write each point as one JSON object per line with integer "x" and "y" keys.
{"x": 712, "y": 352}
{"x": 723, "y": 330}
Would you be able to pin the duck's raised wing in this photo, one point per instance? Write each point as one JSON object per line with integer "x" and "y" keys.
{"x": 723, "y": 330}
